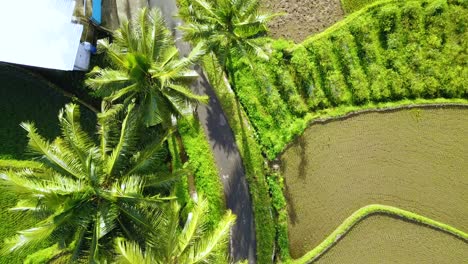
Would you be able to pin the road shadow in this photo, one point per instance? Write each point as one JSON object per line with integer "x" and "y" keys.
{"x": 219, "y": 131}
{"x": 239, "y": 201}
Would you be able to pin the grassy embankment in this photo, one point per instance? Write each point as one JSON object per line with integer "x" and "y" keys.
{"x": 366, "y": 211}
{"x": 350, "y": 6}
{"x": 204, "y": 167}
{"x": 388, "y": 52}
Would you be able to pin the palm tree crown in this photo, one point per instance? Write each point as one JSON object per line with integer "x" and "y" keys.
{"x": 175, "y": 244}
{"x": 225, "y": 26}
{"x": 86, "y": 195}
{"x": 145, "y": 67}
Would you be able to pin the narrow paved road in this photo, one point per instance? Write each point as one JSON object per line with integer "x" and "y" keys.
{"x": 226, "y": 153}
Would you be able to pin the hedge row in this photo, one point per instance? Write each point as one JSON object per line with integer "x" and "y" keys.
{"x": 393, "y": 51}
{"x": 204, "y": 167}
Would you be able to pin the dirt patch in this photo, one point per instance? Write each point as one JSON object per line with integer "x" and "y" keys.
{"x": 412, "y": 159}
{"x": 304, "y": 17}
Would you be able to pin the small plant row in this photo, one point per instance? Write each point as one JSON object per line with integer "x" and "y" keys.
{"x": 369, "y": 210}
{"x": 391, "y": 52}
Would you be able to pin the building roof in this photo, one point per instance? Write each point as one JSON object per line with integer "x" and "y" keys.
{"x": 39, "y": 33}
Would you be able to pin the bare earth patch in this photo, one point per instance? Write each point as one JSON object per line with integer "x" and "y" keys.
{"x": 304, "y": 17}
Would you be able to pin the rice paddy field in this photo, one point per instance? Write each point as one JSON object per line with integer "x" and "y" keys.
{"x": 414, "y": 159}
{"x": 382, "y": 239}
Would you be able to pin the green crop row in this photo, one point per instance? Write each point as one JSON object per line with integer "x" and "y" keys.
{"x": 390, "y": 51}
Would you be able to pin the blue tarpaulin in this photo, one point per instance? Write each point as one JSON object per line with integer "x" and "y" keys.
{"x": 96, "y": 12}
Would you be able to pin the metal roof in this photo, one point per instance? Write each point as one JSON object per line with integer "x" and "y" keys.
{"x": 39, "y": 33}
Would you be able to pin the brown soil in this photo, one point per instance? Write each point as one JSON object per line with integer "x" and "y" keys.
{"x": 304, "y": 17}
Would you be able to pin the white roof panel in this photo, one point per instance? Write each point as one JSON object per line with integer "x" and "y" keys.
{"x": 39, "y": 33}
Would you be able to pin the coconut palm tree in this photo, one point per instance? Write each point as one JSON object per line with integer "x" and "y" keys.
{"x": 85, "y": 195}
{"x": 186, "y": 244}
{"x": 145, "y": 68}
{"x": 225, "y": 27}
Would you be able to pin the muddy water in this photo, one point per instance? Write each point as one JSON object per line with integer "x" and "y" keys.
{"x": 414, "y": 159}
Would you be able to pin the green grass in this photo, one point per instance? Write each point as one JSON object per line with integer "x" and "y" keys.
{"x": 366, "y": 211}
{"x": 252, "y": 158}
{"x": 202, "y": 163}
{"x": 350, "y": 6}
{"x": 387, "y": 52}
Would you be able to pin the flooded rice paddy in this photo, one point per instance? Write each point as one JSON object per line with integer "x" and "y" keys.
{"x": 414, "y": 159}
{"x": 382, "y": 239}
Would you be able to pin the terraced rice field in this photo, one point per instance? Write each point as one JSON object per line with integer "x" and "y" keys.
{"x": 383, "y": 239}
{"x": 413, "y": 159}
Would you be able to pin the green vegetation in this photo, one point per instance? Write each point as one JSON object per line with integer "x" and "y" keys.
{"x": 116, "y": 188}
{"x": 145, "y": 67}
{"x": 350, "y": 6}
{"x": 203, "y": 165}
{"x": 225, "y": 28}
{"x": 368, "y": 210}
{"x": 84, "y": 195}
{"x": 25, "y": 98}
{"x": 404, "y": 158}
{"x": 228, "y": 29}
{"x": 125, "y": 198}
{"x": 252, "y": 158}
{"x": 391, "y": 51}
{"x": 190, "y": 244}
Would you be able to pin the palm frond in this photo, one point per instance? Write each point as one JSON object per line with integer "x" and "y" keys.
{"x": 126, "y": 143}
{"x": 141, "y": 160}
{"x": 160, "y": 37}
{"x": 107, "y": 127}
{"x": 69, "y": 119}
{"x": 188, "y": 95}
{"x": 151, "y": 109}
{"x": 172, "y": 68}
{"x": 131, "y": 253}
{"x": 105, "y": 82}
{"x": 207, "y": 245}
{"x": 112, "y": 51}
{"x": 187, "y": 236}
{"x": 126, "y": 37}
{"x": 40, "y": 146}
{"x": 29, "y": 237}
{"x": 24, "y": 182}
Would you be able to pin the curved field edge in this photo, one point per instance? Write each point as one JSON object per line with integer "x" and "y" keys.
{"x": 388, "y": 52}
{"x": 344, "y": 112}
{"x": 369, "y": 210}
{"x": 344, "y": 22}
